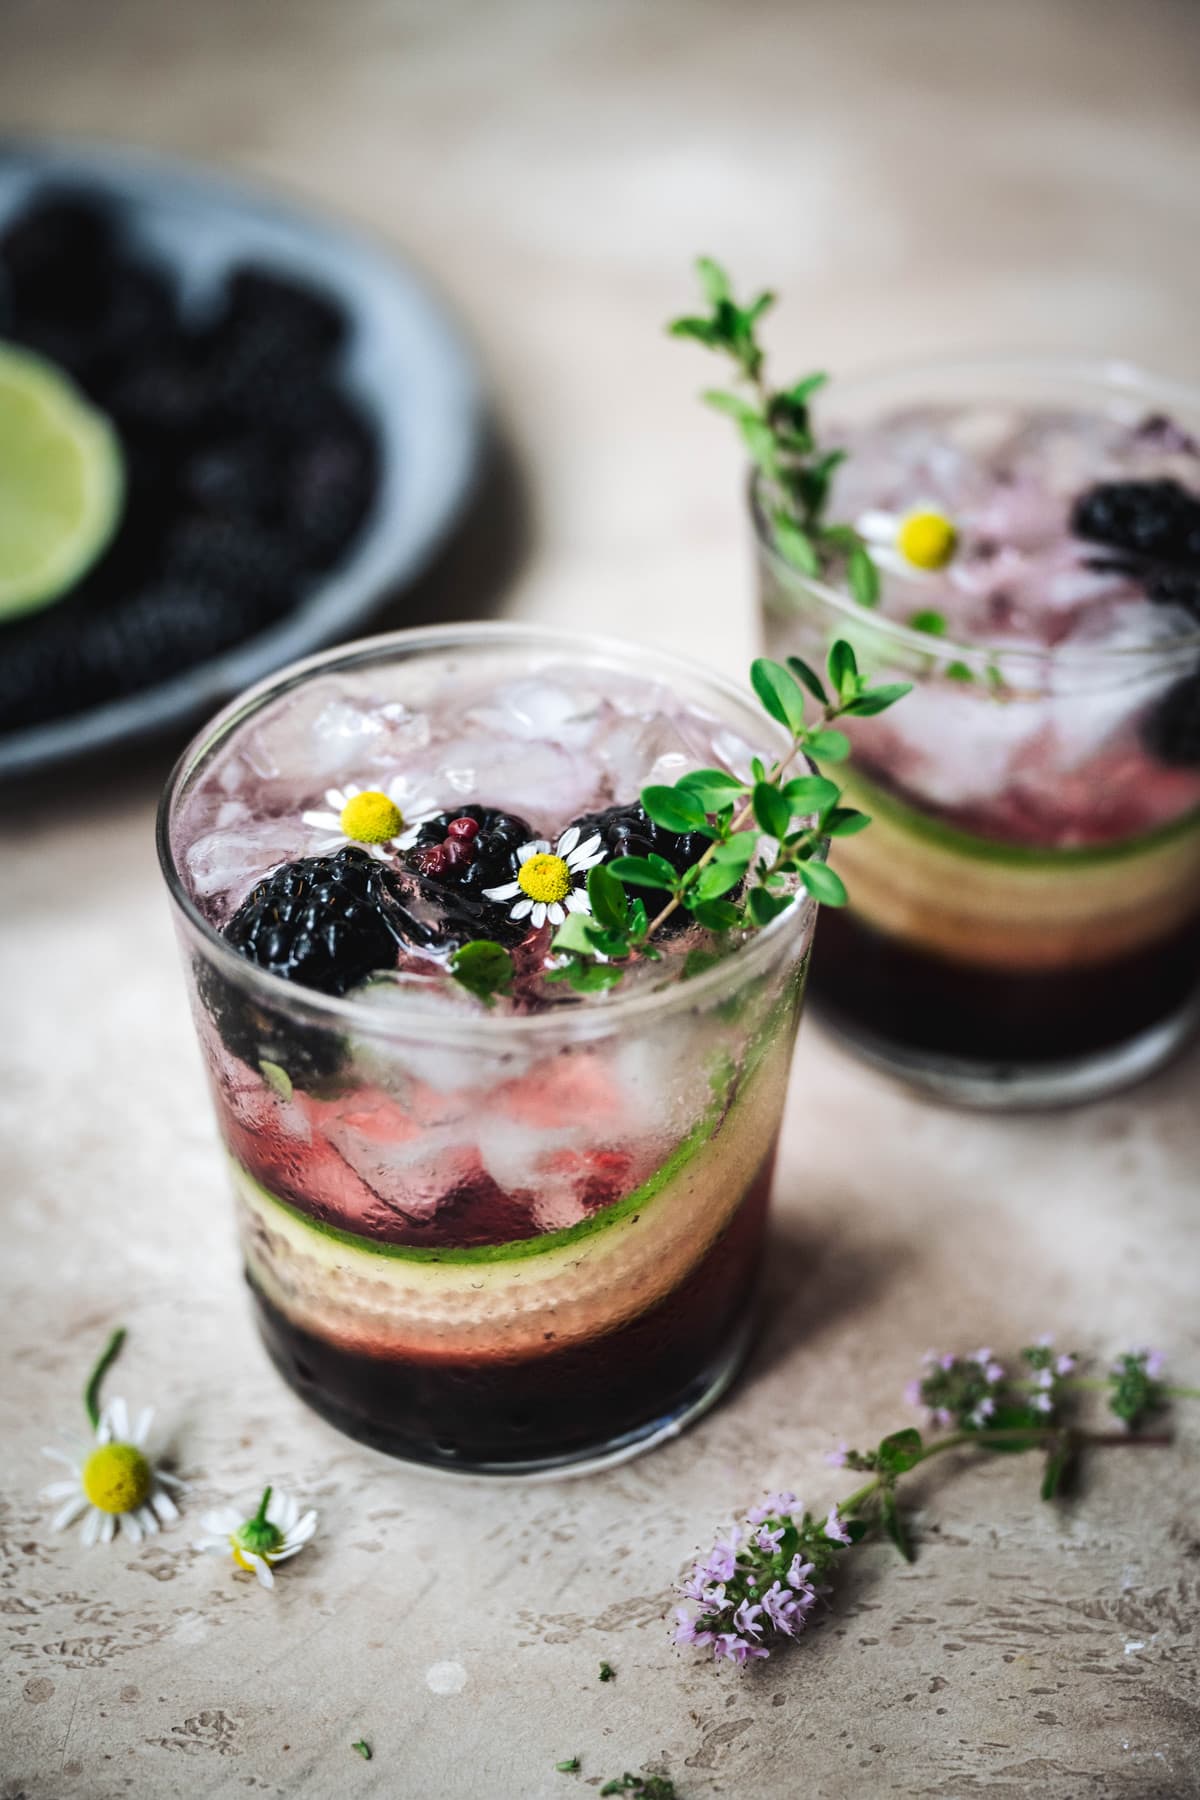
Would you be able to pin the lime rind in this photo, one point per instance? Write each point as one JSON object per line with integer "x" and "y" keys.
{"x": 78, "y": 448}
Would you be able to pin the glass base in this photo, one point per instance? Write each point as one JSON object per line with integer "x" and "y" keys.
{"x": 587, "y": 1460}
{"x": 1016, "y": 1087}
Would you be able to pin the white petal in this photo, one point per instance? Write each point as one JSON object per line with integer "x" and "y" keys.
{"x": 509, "y": 891}
{"x": 172, "y": 1481}
{"x": 164, "y": 1506}
{"x": 141, "y": 1430}
{"x": 118, "y": 1414}
{"x": 104, "y": 1430}
{"x": 58, "y": 1490}
{"x": 265, "y": 1577}
{"x": 535, "y": 847}
{"x": 539, "y": 915}
{"x": 285, "y": 1555}
{"x": 131, "y": 1528}
{"x": 567, "y": 841}
{"x": 289, "y": 1512}
{"x": 408, "y": 838}
{"x": 555, "y": 913}
{"x": 91, "y": 1529}
{"x": 60, "y": 1456}
{"x": 878, "y": 527}
{"x": 522, "y": 909}
{"x": 66, "y": 1515}
{"x": 587, "y": 853}
{"x": 301, "y": 1532}
{"x": 577, "y": 901}
{"x": 378, "y": 851}
{"x": 335, "y": 798}
{"x": 147, "y": 1521}
{"x": 108, "y": 1528}
{"x": 212, "y": 1544}
{"x": 322, "y": 821}
{"x": 327, "y": 846}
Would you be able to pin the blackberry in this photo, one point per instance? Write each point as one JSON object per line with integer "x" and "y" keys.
{"x": 237, "y": 557}
{"x": 325, "y": 922}
{"x": 56, "y": 252}
{"x": 237, "y": 477}
{"x": 450, "y": 867}
{"x": 163, "y": 398}
{"x": 331, "y": 483}
{"x": 626, "y": 831}
{"x": 1171, "y": 731}
{"x": 305, "y": 317}
{"x": 1159, "y": 520}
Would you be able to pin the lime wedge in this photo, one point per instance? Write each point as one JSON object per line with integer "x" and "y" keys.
{"x": 61, "y": 483}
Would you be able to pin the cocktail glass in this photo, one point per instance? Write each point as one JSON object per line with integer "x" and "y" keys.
{"x": 1024, "y": 926}
{"x": 504, "y": 1241}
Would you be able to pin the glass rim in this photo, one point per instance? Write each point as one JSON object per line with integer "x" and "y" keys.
{"x": 487, "y": 1029}
{"x": 1114, "y": 375}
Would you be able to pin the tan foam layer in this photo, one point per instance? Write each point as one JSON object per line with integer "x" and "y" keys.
{"x": 392, "y": 1305}
{"x": 1023, "y": 913}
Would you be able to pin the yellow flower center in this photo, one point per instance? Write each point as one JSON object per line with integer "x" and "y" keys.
{"x": 545, "y": 878}
{"x": 371, "y": 818}
{"x": 117, "y": 1478}
{"x": 927, "y": 539}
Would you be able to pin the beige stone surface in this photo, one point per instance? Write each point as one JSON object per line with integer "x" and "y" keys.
{"x": 912, "y": 177}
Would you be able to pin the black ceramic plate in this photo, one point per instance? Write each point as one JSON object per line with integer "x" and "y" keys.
{"x": 405, "y": 362}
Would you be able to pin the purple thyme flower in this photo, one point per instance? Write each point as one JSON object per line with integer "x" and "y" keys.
{"x": 799, "y": 1572}
{"x": 1154, "y": 1363}
{"x": 837, "y": 1458}
{"x": 1042, "y": 1402}
{"x": 1066, "y": 1365}
{"x": 912, "y": 1393}
{"x": 768, "y": 1540}
{"x": 737, "y": 1650}
{"x": 685, "y": 1629}
{"x": 835, "y": 1529}
{"x": 774, "y": 1505}
{"x": 745, "y": 1619}
{"x": 722, "y": 1560}
{"x": 786, "y": 1610}
{"x": 1045, "y": 1378}
{"x": 983, "y": 1411}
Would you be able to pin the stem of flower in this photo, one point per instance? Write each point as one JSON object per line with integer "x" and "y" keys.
{"x": 1099, "y": 1384}
{"x": 91, "y": 1393}
{"x": 260, "y": 1517}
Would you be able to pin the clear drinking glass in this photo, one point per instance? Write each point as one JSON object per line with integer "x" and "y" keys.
{"x": 488, "y": 1241}
{"x": 1041, "y": 944}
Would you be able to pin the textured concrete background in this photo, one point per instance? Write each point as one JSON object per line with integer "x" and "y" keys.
{"x": 912, "y": 177}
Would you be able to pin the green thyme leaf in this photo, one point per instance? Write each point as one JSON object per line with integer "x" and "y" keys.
{"x": 733, "y": 406}
{"x": 716, "y": 915}
{"x": 702, "y": 330}
{"x": 593, "y": 977}
{"x": 673, "y": 808}
{"x": 803, "y": 391}
{"x": 363, "y": 1748}
{"x": 810, "y": 794}
{"x": 610, "y": 907}
{"x": 713, "y": 280}
{"x": 765, "y": 906}
{"x": 958, "y": 671}
{"x": 812, "y": 681}
{"x": 877, "y": 699}
{"x": 845, "y": 821}
{"x": 737, "y": 850}
{"x": 717, "y": 879}
{"x": 932, "y": 622}
{"x": 574, "y": 935}
{"x": 843, "y": 668}
{"x": 828, "y": 746}
{"x": 823, "y": 884}
{"x": 607, "y": 1672}
{"x": 794, "y": 543}
{"x": 644, "y": 873}
{"x": 714, "y": 788}
{"x": 771, "y": 809}
{"x": 863, "y": 576}
{"x": 777, "y": 690}
{"x": 900, "y": 1452}
{"x": 894, "y": 1525}
{"x": 483, "y": 968}
{"x": 568, "y": 1765}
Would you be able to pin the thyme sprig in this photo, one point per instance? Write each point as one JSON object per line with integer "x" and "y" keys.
{"x": 777, "y": 429}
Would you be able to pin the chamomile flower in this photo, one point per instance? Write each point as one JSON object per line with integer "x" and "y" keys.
{"x": 551, "y": 883}
{"x": 375, "y": 820}
{"x": 114, "y": 1484}
{"x": 275, "y": 1533}
{"x": 916, "y": 544}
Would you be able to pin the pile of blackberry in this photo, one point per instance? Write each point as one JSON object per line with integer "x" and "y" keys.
{"x": 1154, "y": 527}
{"x": 451, "y": 864}
{"x": 249, "y": 467}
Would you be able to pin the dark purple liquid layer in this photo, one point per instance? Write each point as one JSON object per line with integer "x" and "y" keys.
{"x": 865, "y": 980}
{"x": 497, "y": 1411}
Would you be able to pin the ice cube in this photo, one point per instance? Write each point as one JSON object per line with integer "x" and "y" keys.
{"x": 350, "y": 734}
{"x": 541, "y": 710}
{"x": 229, "y": 860}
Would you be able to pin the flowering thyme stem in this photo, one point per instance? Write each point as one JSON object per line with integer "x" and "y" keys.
{"x": 1100, "y": 1384}
{"x": 979, "y": 1440}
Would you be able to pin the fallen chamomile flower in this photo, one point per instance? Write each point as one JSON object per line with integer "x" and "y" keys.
{"x": 115, "y": 1484}
{"x": 274, "y": 1534}
{"x": 372, "y": 819}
